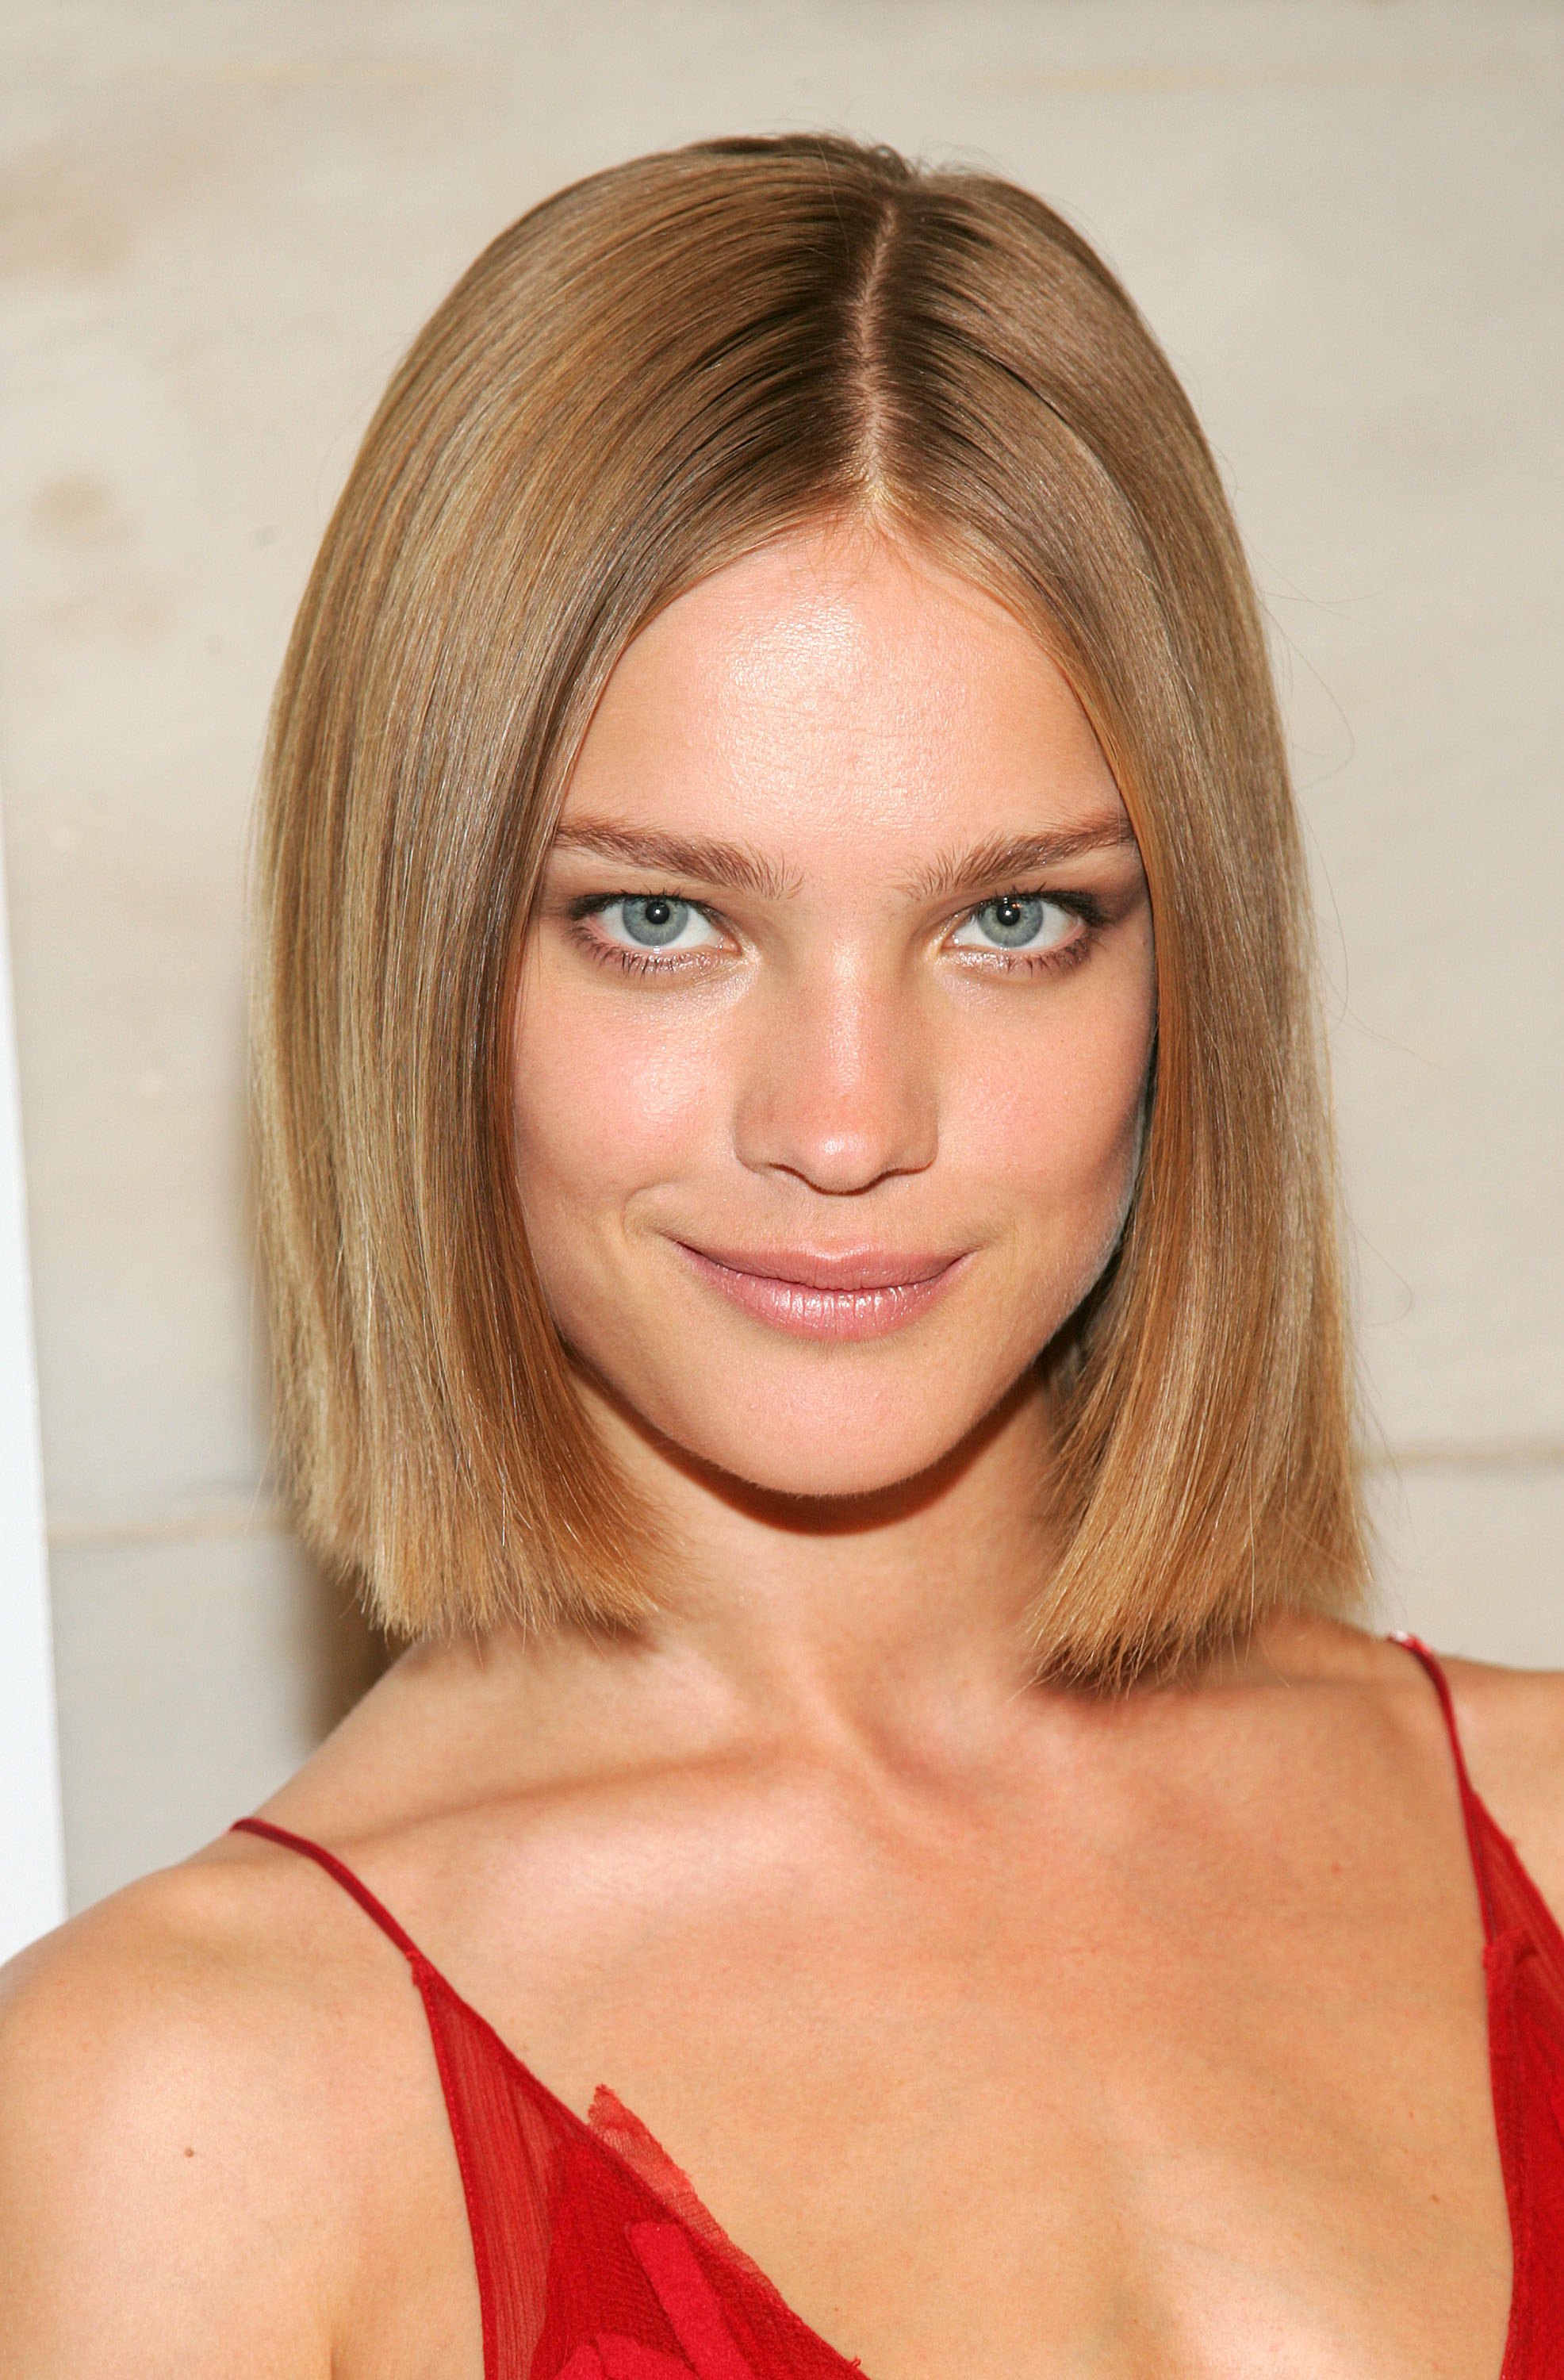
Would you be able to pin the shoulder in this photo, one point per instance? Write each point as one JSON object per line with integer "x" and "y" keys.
{"x": 1512, "y": 1726}
{"x": 173, "y": 2098}
{"x": 1510, "y": 1723}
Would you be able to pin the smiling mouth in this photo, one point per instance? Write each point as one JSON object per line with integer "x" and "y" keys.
{"x": 858, "y": 1293}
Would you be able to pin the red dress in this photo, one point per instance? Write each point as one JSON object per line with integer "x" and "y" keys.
{"x": 596, "y": 2261}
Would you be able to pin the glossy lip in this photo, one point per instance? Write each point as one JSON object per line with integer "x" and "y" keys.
{"x": 854, "y": 1293}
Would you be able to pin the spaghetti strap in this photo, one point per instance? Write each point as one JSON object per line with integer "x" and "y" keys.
{"x": 1471, "y": 1807}
{"x": 343, "y": 1875}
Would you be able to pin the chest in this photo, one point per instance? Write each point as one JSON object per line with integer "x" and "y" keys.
{"x": 1054, "y": 2114}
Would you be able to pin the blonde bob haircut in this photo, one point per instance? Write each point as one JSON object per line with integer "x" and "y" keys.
{"x": 649, "y": 376}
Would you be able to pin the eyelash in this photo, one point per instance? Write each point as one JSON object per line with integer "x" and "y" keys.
{"x": 1084, "y": 906}
{"x": 614, "y": 955}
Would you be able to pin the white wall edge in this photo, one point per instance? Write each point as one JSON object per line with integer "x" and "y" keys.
{"x": 33, "y": 1882}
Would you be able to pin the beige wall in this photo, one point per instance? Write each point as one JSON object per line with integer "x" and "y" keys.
{"x": 222, "y": 220}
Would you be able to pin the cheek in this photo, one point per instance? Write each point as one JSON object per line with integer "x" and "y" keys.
{"x": 1052, "y": 1115}
{"x": 609, "y": 1096}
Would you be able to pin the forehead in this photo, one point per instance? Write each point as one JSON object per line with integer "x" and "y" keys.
{"x": 836, "y": 685}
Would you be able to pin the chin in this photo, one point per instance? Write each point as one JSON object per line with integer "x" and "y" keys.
{"x": 825, "y": 1476}
{"x": 814, "y": 1425}
{"x": 841, "y": 1453}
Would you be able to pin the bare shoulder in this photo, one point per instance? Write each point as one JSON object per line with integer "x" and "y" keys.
{"x": 1511, "y": 1725}
{"x": 174, "y": 2100}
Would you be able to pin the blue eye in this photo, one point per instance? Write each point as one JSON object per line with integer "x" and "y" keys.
{"x": 1015, "y": 921}
{"x": 653, "y": 919}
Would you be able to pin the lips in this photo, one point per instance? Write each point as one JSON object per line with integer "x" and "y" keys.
{"x": 815, "y": 1294}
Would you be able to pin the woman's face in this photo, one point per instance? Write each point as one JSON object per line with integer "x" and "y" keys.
{"x": 836, "y": 1018}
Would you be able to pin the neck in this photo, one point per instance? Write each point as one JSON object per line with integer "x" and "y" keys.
{"x": 876, "y": 1611}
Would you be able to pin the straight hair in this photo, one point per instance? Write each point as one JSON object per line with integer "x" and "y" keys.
{"x": 651, "y": 374}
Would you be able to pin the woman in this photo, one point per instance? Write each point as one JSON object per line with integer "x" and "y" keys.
{"x": 799, "y": 1208}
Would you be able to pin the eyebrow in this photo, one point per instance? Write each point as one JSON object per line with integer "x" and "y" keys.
{"x": 731, "y": 864}
{"x": 1010, "y": 860}
{"x": 1003, "y": 859}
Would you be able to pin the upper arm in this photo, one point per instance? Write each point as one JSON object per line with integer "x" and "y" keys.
{"x": 144, "y": 2227}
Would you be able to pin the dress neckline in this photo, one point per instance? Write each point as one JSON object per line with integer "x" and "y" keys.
{"x": 657, "y": 2172}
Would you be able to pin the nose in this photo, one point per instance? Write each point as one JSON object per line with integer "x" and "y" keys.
{"x": 840, "y": 1090}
